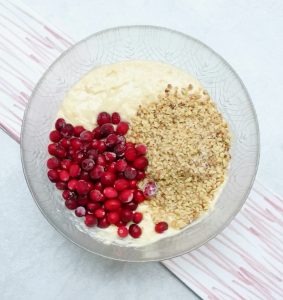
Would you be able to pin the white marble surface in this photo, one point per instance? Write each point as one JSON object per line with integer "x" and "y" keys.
{"x": 35, "y": 261}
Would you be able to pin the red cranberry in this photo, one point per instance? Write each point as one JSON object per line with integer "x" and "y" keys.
{"x": 76, "y": 144}
{"x": 55, "y": 136}
{"x": 126, "y": 196}
{"x": 67, "y": 131}
{"x": 108, "y": 178}
{"x": 161, "y": 227}
{"x": 150, "y": 189}
{"x": 103, "y": 223}
{"x": 65, "y": 143}
{"x": 95, "y": 143}
{"x": 110, "y": 156}
{"x": 115, "y": 118}
{"x": 140, "y": 175}
{"x": 78, "y": 130}
{"x": 84, "y": 175}
{"x": 120, "y": 149}
{"x": 101, "y": 146}
{"x": 101, "y": 160}
{"x": 60, "y": 124}
{"x": 120, "y": 175}
{"x": 82, "y": 200}
{"x": 110, "y": 192}
{"x": 132, "y": 184}
{"x": 121, "y": 165}
{"x": 72, "y": 184}
{"x": 126, "y": 215}
{"x": 88, "y": 164}
{"x": 122, "y": 231}
{"x": 111, "y": 167}
{"x": 60, "y": 152}
{"x": 100, "y": 213}
{"x": 138, "y": 196}
{"x": 79, "y": 157}
{"x": 86, "y": 136}
{"x": 130, "y": 205}
{"x": 137, "y": 217}
{"x": 112, "y": 205}
{"x": 141, "y": 149}
{"x": 135, "y": 231}
{"x": 82, "y": 187}
{"x": 122, "y": 128}
{"x": 75, "y": 170}
{"x": 53, "y": 163}
{"x": 64, "y": 175}
{"x": 96, "y": 196}
{"x": 96, "y": 172}
{"x": 53, "y": 175}
{"x": 68, "y": 195}
{"x": 106, "y": 129}
{"x": 90, "y": 220}
{"x": 92, "y": 207}
{"x": 80, "y": 211}
{"x": 61, "y": 185}
{"x": 121, "y": 139}
{"x": 140, "y": 163}
{"x": 130, "y": 172}
{"x": 113, "y": 217}
{"x": 96, "y": 133}
{"x": 71, "y": 204}
{"x": 52, "y": 149}
{"x": 65, "y": 164}
{"x": 98, "y": 186}
{"x": 130, "y": 154}
{"x": 130, "y": 145}
{"x": 111, "y": 140}
{"x": 121, "y": 184}
{"x": 103, "y": 118}
{"x": 92, "y": 154}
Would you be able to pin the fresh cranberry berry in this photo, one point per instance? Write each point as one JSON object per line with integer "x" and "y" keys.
{"x": 120, "y": 149}
{"x": 126, "y": 215}
{"x": 96, "y": 172}
{"x": 52, "y": 149}
{"x": 64, "y": 175}
{"x": 68, "y": 195}
{"x": 84, "y": 175}
{"x": 120, "y": 175}
{"x": 130, "y": 205}
{"x": 121, "y": 184}
{"x": 55, "y": 136}
{"x": 78, "y": 130}
{"x": 137, "y": 218}
{"x": 92, "y": 207}
{"x": 115, "y": 118}
{"x": 72, "y": 184}
{"x": 122, "y": 128}
{"x": 110, "y": 156}
{"x": 110, "y": 192}
{"x": 108, "y": 178}
{"x": 122, "y": 231}
{"x": 112, "y": 204}
{"x": 94, "y": 143}
{"x": 87, "y": 164}
{"x": 113, "y": 217}
{"x": 135, "y": 231}
{"x": 161, "y": 227}
{"x": 80, "y": 211}
{"x": 92, "y": 154}
{"x": 101, "y": 146}
{"x": 100, "y": 213}
{"x": 86, "y": 136}
{"x": 82, "y": 187}
{"x": 79, "y": 157}
{"x": 53, "y": 175}
{"x": 96, "y": 196}
{"x": 75, "y": 170}
{"x": 67, "y": 131}
{"x": 150, "y": 189}
{"x": 60, "y": 152}
{"x": 65, "y": 164}
{"x": 111, "y": 140}
{"x": 140, "y": 175}
{"x": 103, "y": 223}
{"x": 106, "y": 129}
{"x": 140, "y": 163}
{"x": 130, "y": 154}
{"x": 96, "y": 133}
{"x": 98, "y": 186}
{"x": 61, "y": 185}
{"x": 65, "y": 143}
{"x": 141, "y": 149}
{"x": 130, "y": 173}
{"x": 121, "y": 165}
{"x": 111, "y": 167}
{"x": 76, "y": 144}
{"x": 126, "y": 196}
{"x": 130, "y": 145}
{"x": 90, "y": 220}
{"x": 132, "y": 184}
{"x": 103, "y": 118}
{"x": 71, "y": 204}
{"x": 53, "y": 163}
{"x": 82, "y": 199}
{"x": 121, "y": 139}
{"x": 138, "y": 196}
{"x": 60, "y": 124}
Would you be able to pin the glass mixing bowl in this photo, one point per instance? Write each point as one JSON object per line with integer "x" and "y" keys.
{"x": 142, "y": 43}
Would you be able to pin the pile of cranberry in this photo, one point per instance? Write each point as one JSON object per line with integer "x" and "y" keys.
{"x": 99, "y": 172}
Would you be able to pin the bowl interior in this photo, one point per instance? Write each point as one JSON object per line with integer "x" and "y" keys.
{"x": 142, "y": 43}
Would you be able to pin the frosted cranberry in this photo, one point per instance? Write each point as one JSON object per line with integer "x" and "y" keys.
{"x": 100, "y": 213}
{"x": 92, "y": 207}
{"x": 140, "y": 163}
{"x": 110, "y": 156}
{"x": 111, "y": 167}
{"x": 64, "y": 175}
{"x": 132, "y": 184}
{"x": 82, "y": 200}
{"x": 150, "y": 189}
{"x": 130, "y": 173}
{"x": 74, "y": 170}
{"x": 98, "y": 186}
{"x": 86, "y": 136}
{"x": 130, "y": 205}
{"x": 52, "y": 149}
{"x": 87, "y": 164}
{"x": 80, "y": 211}
{"x": 110, "y": 192}
{"x": 65, "y": 164}
{"x": 96, "y": 133}
{"x": 72, "y": 184}
{"x": 53, "y": 163}
{"x": 55, "y": 136}
{"x": 106, "y": 129}
{"x": 103, "y": 118}
{"x": 79, "y": 157}
{"x": 92, "y": 154}
{"x": 103, "y": 223}
{"x": 112, "y": 204}
{"x": 126, "y": 196}
{"x": 96, "y": 172}
{"x": 84, "y": 175}
{"x": 115, "y": 118}
{"x": 67, "y": 131}
{"x": 71, "y": 204}
{"x": 120, "y": 149}
{"x": 101, "y": 146}
{"x": 121, "y": 165}
{"x": 61, "y": 185}
{"x": 60, "y": 124}
{"x": 76, "y": 144}
{"x": 90, "y": 220}
{"x": 126, "y": 215}
{"x": 82, "y": 187}
{"x": 137, "y": 218}
{"x": 68, "y": 195}
{"x": 111, "y": 140}
{"x": 60, "y": 152}
{"x": 135, "y": 231}
{"x": 122, "y": 128}
{"x": 53, "y": 175}
{"x": 140, "y": 175}
{"x": 122, "y": 231}
{"x": 138, "y": 196}
{"x": 121, "y": 184}
{"x": 161, "y": 227}
{"x": 78, "y": 130}
{"x": 108, "y": 178}
{"x": 130, "y": 145}
{"x": 113, "y": 217}
{"x": 96, "y": 196}
{"x": 130, "y": 154}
